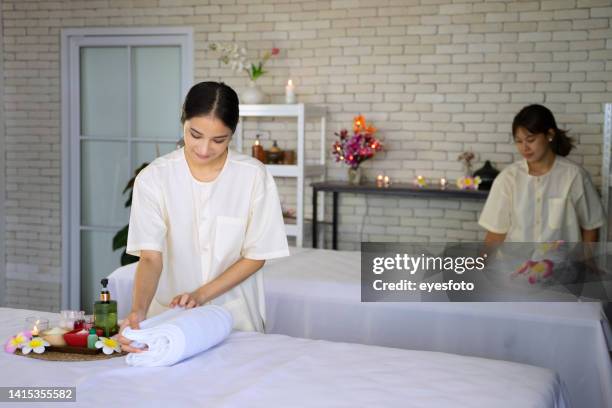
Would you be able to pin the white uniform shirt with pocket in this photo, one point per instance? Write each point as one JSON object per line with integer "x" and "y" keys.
{"x": 202, "y": 228}
{"x": 551, "y": 207}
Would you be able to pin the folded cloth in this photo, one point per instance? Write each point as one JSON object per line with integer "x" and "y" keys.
{"x": 178, "y": 334}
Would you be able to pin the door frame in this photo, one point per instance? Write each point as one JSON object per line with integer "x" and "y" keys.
{"x": 71, "y": 41}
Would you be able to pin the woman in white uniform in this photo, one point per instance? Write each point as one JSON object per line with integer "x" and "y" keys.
{"x": 544, "y": 197}
{"x": 204, "y": 219}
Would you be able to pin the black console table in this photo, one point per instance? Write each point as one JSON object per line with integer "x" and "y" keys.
{"x": 404, "y": 190}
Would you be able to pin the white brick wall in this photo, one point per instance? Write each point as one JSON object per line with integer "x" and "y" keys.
{"x": 436, "y": 78}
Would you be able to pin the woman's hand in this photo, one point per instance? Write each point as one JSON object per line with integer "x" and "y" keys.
{"x": 133, "y": 321}
{"x": 188, "y": 300}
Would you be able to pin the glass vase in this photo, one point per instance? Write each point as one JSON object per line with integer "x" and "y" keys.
{"x": 354, "y": 176}
{"x": 252, "y": 95}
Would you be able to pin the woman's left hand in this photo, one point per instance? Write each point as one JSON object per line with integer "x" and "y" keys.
{"x": 187, "y": 300}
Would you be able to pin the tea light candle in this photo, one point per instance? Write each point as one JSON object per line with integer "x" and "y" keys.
{"x": 290, "y": 92}
{"x": 443, "y": 183}
{"x": 379, "y": 180}
{"x": 36, "y": 325}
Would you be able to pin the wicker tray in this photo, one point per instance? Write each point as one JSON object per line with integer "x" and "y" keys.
{"x": 67, "y": 353}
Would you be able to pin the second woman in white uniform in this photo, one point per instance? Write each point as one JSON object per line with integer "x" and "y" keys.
{"x": 204, "y": 219}
{"x": 545, "y": 197}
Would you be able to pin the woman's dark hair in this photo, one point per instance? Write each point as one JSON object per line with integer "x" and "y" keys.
{"x": 539, "y": 119}
{"x": 212, "y": 98}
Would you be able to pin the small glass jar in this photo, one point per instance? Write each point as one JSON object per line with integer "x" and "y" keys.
{"x": 67, "y": 319}
{"x": 89, "y": 322}
{"x": 79, "y": 321}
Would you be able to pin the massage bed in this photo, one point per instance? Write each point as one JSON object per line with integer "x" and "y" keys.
{"x": 316, "y": 294}
{"x": 251, "y": 369}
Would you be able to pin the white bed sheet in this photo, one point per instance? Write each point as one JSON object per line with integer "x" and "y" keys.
{"x": 263, "y": 370}
{"x": 316, "y": 294}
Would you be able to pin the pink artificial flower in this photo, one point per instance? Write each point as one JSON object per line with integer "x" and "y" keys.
{"x": 17, "y": 341}
{"x": 275, "y": 51}
{"x": 536, "y": 271}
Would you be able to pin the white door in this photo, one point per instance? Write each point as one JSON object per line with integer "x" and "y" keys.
{"x": 125, "y": 91}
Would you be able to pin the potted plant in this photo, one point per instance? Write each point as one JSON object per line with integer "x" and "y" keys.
{"x": 236, "y": 57}
{"x": 120, "y": 238}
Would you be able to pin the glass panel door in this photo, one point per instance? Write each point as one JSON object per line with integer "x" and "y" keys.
{"x": 130, "y": 101}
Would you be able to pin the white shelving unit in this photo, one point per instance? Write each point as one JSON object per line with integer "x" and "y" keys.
{"x": 302, "y": 169}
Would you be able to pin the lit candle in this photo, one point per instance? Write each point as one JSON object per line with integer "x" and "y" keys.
{"x": 36, "y": 325}
{"x": 442, "y": 183}
{"x": 379, "y": 180}
{"x": 386, "y": 181}
{"x": 290, "y": 93}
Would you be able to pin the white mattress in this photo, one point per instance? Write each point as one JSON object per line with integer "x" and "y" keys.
{"x": 261, "y": 370}
{"x": 316, "y": 293}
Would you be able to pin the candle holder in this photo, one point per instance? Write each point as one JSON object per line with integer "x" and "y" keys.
{"x": 380, "y": 180}
{"x": 36, "y": 325}
{"x": 386, "y": 181}
{"x": 420, "y": 182}
{"x": 443, "y": 183}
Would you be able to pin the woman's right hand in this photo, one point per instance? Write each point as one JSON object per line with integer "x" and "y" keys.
{"x": 133, "y": 321}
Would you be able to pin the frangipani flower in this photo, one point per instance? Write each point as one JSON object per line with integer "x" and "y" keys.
{"x": 108, "y": 346}
{"x": 536, "y": 271}
{"x": 17, "y": 341}
{"x": 36, "y": 344}
{"x": 468, "y": 183}
{"x": 420, "y": 182}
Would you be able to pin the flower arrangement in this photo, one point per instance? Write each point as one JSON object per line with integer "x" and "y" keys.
{"x": 361, "y": 146}
{"x": 236, "y": 57}
{"x": 466, "y": 158}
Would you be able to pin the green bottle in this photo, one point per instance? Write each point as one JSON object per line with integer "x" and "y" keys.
{"x": 105, "y": 312}
{"x": 92, "y": 338}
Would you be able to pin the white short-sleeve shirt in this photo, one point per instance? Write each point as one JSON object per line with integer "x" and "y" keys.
{"x": 202, "y": 228}
{"x": 551, "y": 207}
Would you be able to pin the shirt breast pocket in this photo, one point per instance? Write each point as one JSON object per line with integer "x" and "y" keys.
{"x": 229, "y": 236}
{"x": 556, "y": 212}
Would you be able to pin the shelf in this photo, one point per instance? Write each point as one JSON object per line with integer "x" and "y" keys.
{"x": 305, "y": 167}
{"x": 400, "y": 189}
{"x": 264, "y": 110}
{"x": 292, "y": 170}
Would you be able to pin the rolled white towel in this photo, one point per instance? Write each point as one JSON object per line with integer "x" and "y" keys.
{"x": 178, "y": 334}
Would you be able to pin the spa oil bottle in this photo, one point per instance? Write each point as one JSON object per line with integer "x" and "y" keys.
{"x": 105, "y": 312}
{"x": 258, "y": 150}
